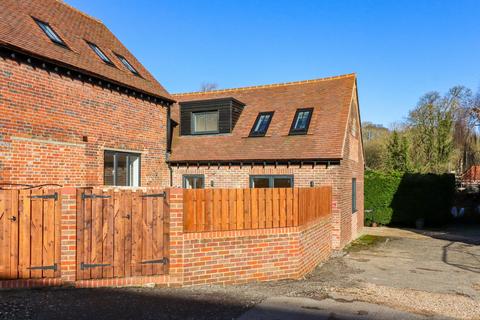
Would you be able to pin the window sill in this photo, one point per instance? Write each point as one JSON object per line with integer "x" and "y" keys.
{"x": 265, "y": 136}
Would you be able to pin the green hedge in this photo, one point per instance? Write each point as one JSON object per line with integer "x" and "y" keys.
{"x": 399, "y": 199}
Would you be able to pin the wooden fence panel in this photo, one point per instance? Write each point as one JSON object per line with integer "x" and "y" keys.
{"x": 29, "y": 234}
{"x": 121, "y": 233}
{"x": 241, "y": 209}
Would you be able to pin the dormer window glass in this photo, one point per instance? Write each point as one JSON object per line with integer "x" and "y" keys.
{"x": 261, "y": 124}
{"x": 52, "y": 35}
{"x": 301, "y": 121}
{"x": 100, "y": 53}
{"x": 127, "y": 65}
{"x": 205, "y": 122}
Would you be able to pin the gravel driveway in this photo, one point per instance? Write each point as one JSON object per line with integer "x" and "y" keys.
{"x": 403, "y": 274}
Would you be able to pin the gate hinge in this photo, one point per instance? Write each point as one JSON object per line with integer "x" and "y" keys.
{"x": 94, "y": 196}
{"x": 84, "y": 266}
{"x": 155, "y": 195}
{"x": 164, "y": 260}
{"x": 53, "y": 267}
{"x": 46, "y": 196}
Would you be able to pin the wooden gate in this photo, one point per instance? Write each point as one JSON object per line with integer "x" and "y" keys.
{"x": 29, "y": 234}
{"x": 121, "y": 233}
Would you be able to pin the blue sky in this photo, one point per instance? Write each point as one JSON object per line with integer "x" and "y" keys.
{"x": 399, "y": 49}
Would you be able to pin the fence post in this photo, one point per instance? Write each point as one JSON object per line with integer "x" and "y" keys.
{"x": 68, "y": 235}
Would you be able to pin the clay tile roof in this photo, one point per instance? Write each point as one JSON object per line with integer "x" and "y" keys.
{"x": 18, "y": 31}
{"x": 330, "y": 97}
{"x": 472, "y": 174}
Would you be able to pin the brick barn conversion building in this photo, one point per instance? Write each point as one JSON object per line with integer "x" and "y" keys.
{"x": 78, "y": 110}
{"x": 253, "y": 141}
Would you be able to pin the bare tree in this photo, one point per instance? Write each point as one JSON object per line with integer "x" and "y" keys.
{"x": 208, "y": 86}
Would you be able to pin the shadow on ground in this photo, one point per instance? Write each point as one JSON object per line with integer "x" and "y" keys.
{"x": 146, "y": 303}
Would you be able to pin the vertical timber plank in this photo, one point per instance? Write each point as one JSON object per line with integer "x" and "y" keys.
{"x": 247, "y": 208}
{"x": 217, "y": 209}
{"x": 208, "y": 210}
{"x": 127, "y": 220}
{"x": 137, "y": 233}
{"x": 275, "y": 208}
{"x": 268, "y": 208}
{"x": 118, "y": 237}
{"x": 295, "y": 207}
{"x": 225, "y": 222}
{"x": 188, "y": 210}
{"x": 88, "y": 236}
{"x": 289, "y": 205}
{"x": 108, "y": 234}
{"x": 96, "y": 252}
{"x": 157, "y": 234}
{"x": 24, "y": 238}
{"x": 200, "y": 209}
{"x": 240, "y": 210}
{"x": 14, "y": 236}
{"x": 57, "y": 232}
{"x": 48, "y": 233}
{"x": 232, "y": 218}
{"x": 254, "y": 201}
{"x": 36, "y": 234}
{"x": 261, "y": 208}
{"x": 3, "y": 222}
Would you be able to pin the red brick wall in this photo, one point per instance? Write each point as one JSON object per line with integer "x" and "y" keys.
{"x": 44, "y": 117}
{"x": 230, "y": 257}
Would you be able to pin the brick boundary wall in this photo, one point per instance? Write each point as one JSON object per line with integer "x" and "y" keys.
{"x": 223, "y": 257}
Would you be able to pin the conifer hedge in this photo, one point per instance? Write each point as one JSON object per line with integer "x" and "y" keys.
{"x": 401, "y": 198}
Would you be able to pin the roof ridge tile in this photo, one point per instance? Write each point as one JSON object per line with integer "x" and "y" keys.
{"x": 273, "y": 85}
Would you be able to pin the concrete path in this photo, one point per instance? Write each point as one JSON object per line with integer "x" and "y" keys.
{"x": 293, "y": 308}
{"x": 406, "y": 274}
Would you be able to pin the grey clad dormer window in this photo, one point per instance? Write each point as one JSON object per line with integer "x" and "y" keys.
{"x": 210, "y": 116}
{"x": 100, "y": 53}
{"x": 301, "y": 121}
{"x": 205, "y": 122}
{"x": 52, "y": 35}
{"x": 261, "y": 124}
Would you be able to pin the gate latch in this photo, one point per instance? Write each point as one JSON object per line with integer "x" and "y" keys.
{"x": 46, "y": 196}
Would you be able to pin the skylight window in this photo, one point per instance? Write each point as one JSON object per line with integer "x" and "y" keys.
{"x": 301, "y": 121}
{"x": 100, "y": 53}
{"x": 261, "y": 124}
{"x": 52, "y": 35}
{"x": 127, "y": 65}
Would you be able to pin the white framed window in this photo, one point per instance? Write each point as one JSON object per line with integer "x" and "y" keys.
{"x": 193, "y": 181}
{"x": 121, "y": 169}
{"x": 271, "y": 181}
